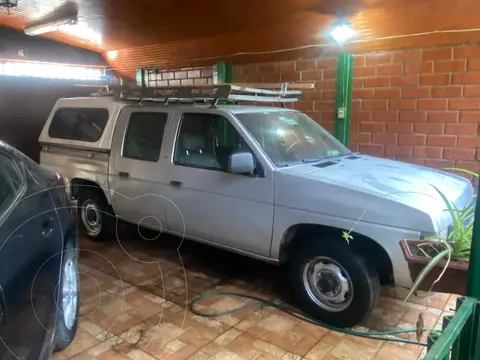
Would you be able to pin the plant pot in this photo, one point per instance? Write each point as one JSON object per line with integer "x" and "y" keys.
{"x": 454, "y": 279}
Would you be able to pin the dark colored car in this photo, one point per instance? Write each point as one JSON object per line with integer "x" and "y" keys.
{"x": 38, "y": 260}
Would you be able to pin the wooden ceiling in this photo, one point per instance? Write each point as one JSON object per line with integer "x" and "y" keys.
{"x": 174, "y": 33}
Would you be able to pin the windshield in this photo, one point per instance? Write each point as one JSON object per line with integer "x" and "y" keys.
{"x": 291, "y": 137}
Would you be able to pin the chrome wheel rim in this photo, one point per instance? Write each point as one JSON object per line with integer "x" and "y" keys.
{"x": 91, "y": 217}
{"x": 328, "y": 284}
{"x": 69, "y": 293}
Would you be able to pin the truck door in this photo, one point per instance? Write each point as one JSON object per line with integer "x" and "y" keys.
{"x": 137, "y": 180}
{"x": 211, "y": 204}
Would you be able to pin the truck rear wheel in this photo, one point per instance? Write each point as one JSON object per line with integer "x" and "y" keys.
{"x": 95, "y": 215}
{"x": 332, "y": 283}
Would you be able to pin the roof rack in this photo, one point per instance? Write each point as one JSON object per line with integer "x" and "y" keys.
{"x": 212, "y": 93}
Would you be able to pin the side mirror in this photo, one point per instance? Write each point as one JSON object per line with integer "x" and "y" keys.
{"x": 241, "y": 163}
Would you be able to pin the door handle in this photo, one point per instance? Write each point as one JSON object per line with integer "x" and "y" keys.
{"x": 123, "y": 174}
{"x": 47, "y": 226}
{"x": 176, "y": 183}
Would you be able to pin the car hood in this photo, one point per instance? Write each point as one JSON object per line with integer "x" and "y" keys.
{"x": 408, "y": 184}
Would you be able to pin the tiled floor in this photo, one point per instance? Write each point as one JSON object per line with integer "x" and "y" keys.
{"x": 133, "y": 306}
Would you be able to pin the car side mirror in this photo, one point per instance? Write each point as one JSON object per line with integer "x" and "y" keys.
{"x": 241, "y": 163}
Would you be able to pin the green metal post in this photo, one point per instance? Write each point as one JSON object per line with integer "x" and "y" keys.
{"x": 222, "y": 72}
{"x": 141, "y": 77}
{"x": 343, "y": 98}
{"x": 473, "y": 282}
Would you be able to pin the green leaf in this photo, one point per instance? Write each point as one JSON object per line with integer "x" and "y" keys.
{"x": 426, "y": 270}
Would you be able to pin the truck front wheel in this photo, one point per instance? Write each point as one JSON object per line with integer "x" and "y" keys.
{"x": 332, "y": 283}
{"x": 94, "y": 214}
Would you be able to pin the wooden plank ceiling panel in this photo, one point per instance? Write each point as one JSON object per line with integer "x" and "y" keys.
{"x": 172, "y": 33}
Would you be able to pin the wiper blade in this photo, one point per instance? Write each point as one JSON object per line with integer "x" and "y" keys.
{"x": 307, "y": 161}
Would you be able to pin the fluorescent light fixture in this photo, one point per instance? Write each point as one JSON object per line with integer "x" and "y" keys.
{"x": 49, "y": 71}
{"x": 342, "y": 31}
{"x": 49, "y": 26}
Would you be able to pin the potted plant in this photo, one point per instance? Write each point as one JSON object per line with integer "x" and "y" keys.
{"x": 440, "y": 262}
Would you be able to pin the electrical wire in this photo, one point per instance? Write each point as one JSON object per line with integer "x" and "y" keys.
{"x": 359, "y": 41}
{"x": 258, "y": 302}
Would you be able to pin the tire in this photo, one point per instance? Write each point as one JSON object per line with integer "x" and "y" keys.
{"x": 68, "y": 300}
{"x": 92, "y": 201}
{"x": 358, "y": 289}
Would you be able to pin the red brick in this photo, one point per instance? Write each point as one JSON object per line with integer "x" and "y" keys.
{"x": 361, "y": 116}
{"x": 466, "y": 78}
{"x": 186, "y": 82}
{"x": 192, "y": 74}
{"x": 356, "y": 104}
{"x": 328, "y": 95}
{"x": 437, "y": 54}
{"x": 357, "y": 83}
{"x": 391, "y": 93}
{"x": 315, "y": 115}
{"x": 469, "y": 165}
{"x": 362, "y": 93}
{"x": 379, "y": 138}
{"x": 270, "y": 78}
{"x": 327, "y": 63}
{"x": 372, "y": 127}
{"x": 420, "y": 67}
{"x": 374, "y": 104}
{"x": 464, "y": 104}
{"x": 247, "y": 69}
{"x": 434, "y": 79}
{"x": 404, "y": 80}
{"x": 290, "y": 76}
{"x": 447, "y": 91}
{"x": 470, "y": 116}
{"x": 312, "y": 75}
{"x": 359, "y": 60}
{"x": 432, "y": 104}
{"x": 405, "y": 128}
{"x": 174, "y": 83}
{"x": 306, "y": 65}
{"x": 442, "y": 116}
{"x": 285, "y": 66}
{"x": 402, "y": 104}
{"x": 427, "y": 152}
{"x": 461, "y": 129}
{"x": 394, "y": 69}
{"x": 466, "y": 51}
{"x": 429, "y": 128}
{"x": 439, "y": 164}
{"x": 413, "y": 161}
{"x": 325, "y": 85}
{"x": 324, "y": 105}
{"x": 459, "y": 154}
{"x": 168, "y": 75}
{"x": 267, "y": 68}
{"x": 398, "y": 150}
{"x": 398, "y": 56}
{"x": 378, "y": 58}
{"x": 468, "y": 141}
{"x": 412, "y": 116}
{"x": 312, "y": 96}
{"x": 416, "y": 92}
{"x": 411, "y": 139}
{"x": 304, "y": 105}
{"x": 471, "y": 91}
{"x": 362, "y": 71}
{"x": 329, "y": 73}
{"x": 450, "y": 66}
{"x": 372, "y": 149}
{"x": 441, "y": 140}
{"x": 376, "y": 82}
{"x": 200, "y": 81}
{"x": 385, "y": 116}
{"x": 360, "y": 138}
{"x": 473, "y": 64}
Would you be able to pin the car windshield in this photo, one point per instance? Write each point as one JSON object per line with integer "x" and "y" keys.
{"x": 291, "y": 137}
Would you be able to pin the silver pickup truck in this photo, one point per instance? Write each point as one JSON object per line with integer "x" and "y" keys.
{"x": 266, "y": 182}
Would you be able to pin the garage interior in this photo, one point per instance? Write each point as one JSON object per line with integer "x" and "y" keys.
{"x": 415, "y": 98}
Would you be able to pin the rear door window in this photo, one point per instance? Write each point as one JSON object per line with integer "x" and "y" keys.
{"x": 82, "y": 124}
{"x": 11, "y": 181}
{"x": 144, "y": 135}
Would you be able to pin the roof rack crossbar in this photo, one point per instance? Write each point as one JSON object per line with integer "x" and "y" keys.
{"x": 209, "y": 93}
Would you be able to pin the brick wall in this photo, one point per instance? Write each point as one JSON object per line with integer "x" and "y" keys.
{"x": 421, "y": 106}
{"x": 184, "y": 76}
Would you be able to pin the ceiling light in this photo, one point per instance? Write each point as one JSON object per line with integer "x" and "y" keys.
{"x": 112, "y": 54}
{"x": 44, "y": 27}
{"x": 342, "y": 31}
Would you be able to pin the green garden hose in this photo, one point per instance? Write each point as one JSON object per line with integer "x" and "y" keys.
{"x": 258, "y": 302}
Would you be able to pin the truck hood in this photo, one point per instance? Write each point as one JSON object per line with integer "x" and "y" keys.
{"x": 409, "y": 184}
